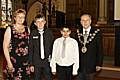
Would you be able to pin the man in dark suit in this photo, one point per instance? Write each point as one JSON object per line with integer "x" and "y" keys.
{"x": 40, "y": 48}
{"x": 90, "y": 46}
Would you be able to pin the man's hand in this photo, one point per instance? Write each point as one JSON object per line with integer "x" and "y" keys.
{"x": 98, "y": 68}
{"x": 74, "y": 74}
{"x": 54, "y": 73}
{"x": 32, "y": 68}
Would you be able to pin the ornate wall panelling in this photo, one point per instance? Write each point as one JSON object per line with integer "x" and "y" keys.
{"x": 91, "y": 7}
{"x": 73, "y": 8}
{"x": 110, "y": 11}
{"x": 108, "y": 38}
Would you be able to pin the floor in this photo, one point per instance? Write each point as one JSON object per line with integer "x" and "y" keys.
{"x": 109, "y": 72}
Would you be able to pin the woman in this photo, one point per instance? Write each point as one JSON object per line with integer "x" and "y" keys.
{"x": 15, "y": 46}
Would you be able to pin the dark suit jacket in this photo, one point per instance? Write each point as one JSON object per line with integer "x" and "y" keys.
{"x": 34, "y": 46}
{"x": 93, "y": 56}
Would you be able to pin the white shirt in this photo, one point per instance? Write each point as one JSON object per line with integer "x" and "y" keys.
{"x": 88, "y": 30}
{"x": 71, "y": 54}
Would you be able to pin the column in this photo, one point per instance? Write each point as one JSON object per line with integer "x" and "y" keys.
{"x": 102, "y": 12}
{"x": 0, "y": 12}
{"x": 50, "y": 7}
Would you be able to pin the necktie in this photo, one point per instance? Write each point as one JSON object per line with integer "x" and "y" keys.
{"x": 85, "y": 32}
{"x": 85, "y": 36}
{"x": 63, "y": 48}
{"x": 42, "y": 44}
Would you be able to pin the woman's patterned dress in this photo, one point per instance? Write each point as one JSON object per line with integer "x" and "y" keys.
{"x": 19, "y": 55}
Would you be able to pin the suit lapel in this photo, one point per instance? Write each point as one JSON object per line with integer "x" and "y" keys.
{"x": 81, "y": 32}
{"x": 91, "y": 32}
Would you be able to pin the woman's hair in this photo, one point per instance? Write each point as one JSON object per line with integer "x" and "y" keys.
{"x": 19, "y": 11}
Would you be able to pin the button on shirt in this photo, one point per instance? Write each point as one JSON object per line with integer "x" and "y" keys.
{"x": 71, "y": 54}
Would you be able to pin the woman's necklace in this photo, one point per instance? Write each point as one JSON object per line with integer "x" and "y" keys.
{"x": 19, "y": 28}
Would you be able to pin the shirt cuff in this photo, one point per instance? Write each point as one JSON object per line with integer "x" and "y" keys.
{"x": 53, "y": 69}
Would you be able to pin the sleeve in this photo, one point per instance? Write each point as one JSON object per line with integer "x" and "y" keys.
{"x": 53, "y": 60}
{"x": 31, "y": 49}
{"x": 51, "y": 41}
{"x": 99, "y": 49}
{"x": 76, "y": 59}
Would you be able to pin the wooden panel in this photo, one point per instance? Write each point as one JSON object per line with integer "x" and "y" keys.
{"x": 103, "y": 78}
{"x": 72, "y": 11}
{"x": 108, "y": 37}
{"x": 75, "y": 8}
{"x": 110, "y": 11}
{"x": 91, "y": 7}
{"x": 108, "y": 44}
{"x": 53, "y": 21}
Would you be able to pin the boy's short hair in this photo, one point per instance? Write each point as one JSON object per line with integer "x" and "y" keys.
{"x": 65, "y": 26}
{"x": 38, "y": 16}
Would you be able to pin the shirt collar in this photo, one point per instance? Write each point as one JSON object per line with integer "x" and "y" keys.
{"x": 88, "y": 30}
{"x": 40, "y": 30}
{"x": 66, "y": 38}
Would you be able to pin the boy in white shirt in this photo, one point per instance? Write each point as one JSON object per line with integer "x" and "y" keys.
{"x": 65, "y": 63}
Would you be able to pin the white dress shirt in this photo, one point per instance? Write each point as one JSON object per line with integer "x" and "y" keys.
{"x": 71, "y": 54}
{"x": 88, "y": 30}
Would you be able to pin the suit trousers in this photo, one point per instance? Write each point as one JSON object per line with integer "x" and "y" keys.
{"x": 86, "y": 76}
{"x": 64, "y": 72}
{"x": 42, "y": 72}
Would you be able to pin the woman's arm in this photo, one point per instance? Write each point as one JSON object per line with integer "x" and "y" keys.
{"x": 6, "y": 42}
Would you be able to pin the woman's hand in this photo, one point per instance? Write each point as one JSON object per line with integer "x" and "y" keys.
{"x": 10, "y": 67}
